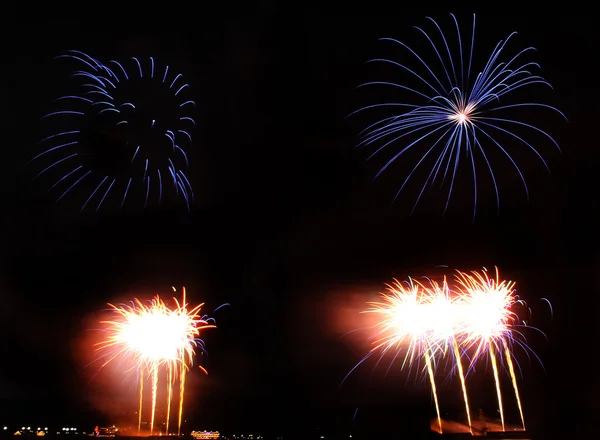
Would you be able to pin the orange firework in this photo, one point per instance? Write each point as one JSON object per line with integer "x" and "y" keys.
{"x": 421, "y": 317}
{"x": 413, "y": 315}
{"x": 430, "y": 320}
{"x": 489, "y": 322}
{"x": 155, "y": 337}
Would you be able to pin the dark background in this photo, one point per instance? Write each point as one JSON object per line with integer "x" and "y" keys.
{"x": 286, "y": 216}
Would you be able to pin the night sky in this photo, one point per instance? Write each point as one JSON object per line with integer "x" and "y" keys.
{"x": 288, "y": 226}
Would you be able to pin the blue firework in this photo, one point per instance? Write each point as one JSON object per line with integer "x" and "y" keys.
{"x": 456, "y": 114}
{"x": 122, "y": 138}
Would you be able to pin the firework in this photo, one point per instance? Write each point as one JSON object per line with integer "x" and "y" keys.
{"x": 489, "y": 323}
{"x": 455, "y": 113}
{"x": 420, "y": 318}
{"x": 154, "y": 338}
{"x": 123, "y": 134}
{"x": 470, "y": 317}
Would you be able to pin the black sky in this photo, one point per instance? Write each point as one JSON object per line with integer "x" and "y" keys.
{"x": 286, "y": 215}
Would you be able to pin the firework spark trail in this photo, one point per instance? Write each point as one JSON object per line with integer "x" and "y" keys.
{"x": 154, "y": 393}
{"x": 428, "y": 319}
{"x": 433, "y": 389}
{"x": 497, "y": 381}
{"x": 181, "y": 391}
{"x": 451, "y": 114}
{"x": 141, "y": 374}
{"x": 511, "y": 370}
{"x": 169, "y": 397}
{"x": 463, "y": 381}
{"x": 152, "y": 336}
{"x": 100, "y": 97}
